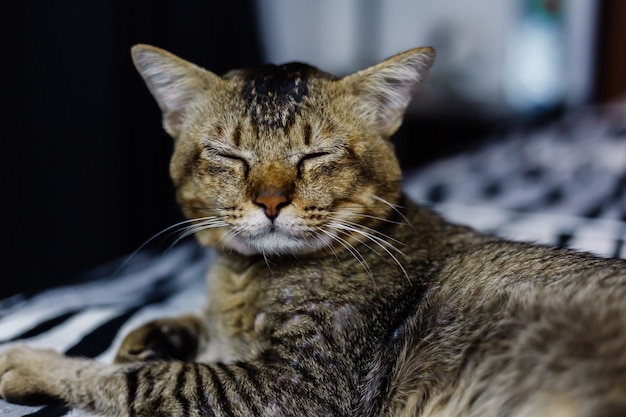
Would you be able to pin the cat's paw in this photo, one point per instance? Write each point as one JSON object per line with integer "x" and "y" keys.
{"x": 167, "y": 339}
{"x": 22, "y": 378}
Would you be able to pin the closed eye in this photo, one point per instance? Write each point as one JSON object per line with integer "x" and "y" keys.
{"x": 246, "y": 166}
{"x": 308, "y": 157}
{"x": 313, "y": 155}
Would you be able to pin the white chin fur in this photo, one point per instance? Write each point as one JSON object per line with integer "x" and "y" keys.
{"x": 276, "y": 243}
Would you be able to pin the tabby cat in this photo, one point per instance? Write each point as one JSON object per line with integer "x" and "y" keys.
{"x": 334, "y": 294}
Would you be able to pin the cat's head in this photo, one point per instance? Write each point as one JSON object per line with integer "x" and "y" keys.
{"x": 283, "y": 159}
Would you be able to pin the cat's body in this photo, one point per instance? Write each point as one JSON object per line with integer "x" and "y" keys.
{"x": 334, "y": 294}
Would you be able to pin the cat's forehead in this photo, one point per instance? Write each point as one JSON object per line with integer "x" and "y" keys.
{"x": 273, "y": 77}
{"x": 273, "y": 95}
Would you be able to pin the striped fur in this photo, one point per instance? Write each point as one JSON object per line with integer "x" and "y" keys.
{"x": 388, "y": 310}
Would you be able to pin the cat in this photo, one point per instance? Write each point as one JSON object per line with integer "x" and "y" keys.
{"x": 333, "y": 293}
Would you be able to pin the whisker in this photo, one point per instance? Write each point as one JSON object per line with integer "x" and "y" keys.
{"x": 356, "y": 211}
{"x": 328, "y": 245}
{"x": 378, "y": 241}
{"x": 353, "y": 251}
{"x": 369, "y": 229}
{"x": 168, "y": 229}
{"x": 198, "y": 227}
{"x": 345, "y": 225}
{"x": 267, "y": 261}
{"x": 395, "y": 207}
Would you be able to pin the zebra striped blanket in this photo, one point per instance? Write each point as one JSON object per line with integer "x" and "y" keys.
{"x": 563, "y": 185}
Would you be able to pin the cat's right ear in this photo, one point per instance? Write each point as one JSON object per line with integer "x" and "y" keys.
{"x": 174, "y": 83}
{"x": 384, "y": 90}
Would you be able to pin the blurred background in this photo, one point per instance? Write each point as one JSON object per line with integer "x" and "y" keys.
{"x": 84, "y": 159}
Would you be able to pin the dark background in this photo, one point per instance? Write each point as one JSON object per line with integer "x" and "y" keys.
{"x": 84, "y": 159}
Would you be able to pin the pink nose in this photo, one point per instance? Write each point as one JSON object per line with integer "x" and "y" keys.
{"x": 272, "y": 203}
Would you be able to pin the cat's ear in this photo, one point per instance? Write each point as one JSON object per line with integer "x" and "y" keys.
{"x": 384, "y": 90}
{"x": 174, "y": 83}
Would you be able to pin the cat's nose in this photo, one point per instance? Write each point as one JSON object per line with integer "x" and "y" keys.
{"x": 272, "y": 203}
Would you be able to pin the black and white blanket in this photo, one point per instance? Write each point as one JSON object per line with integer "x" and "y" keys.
{"x": 564, "y": 185}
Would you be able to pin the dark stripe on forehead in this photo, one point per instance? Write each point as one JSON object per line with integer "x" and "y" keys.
{"x": 237, "y": 135}
{"x": 274, "y": 94}
{"x": 308, "y": 133}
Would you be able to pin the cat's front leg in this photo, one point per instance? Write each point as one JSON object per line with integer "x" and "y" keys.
{"x": 275, "y": 385}
{"x": 44, "y": 377}
{"x": 169, "y": 338}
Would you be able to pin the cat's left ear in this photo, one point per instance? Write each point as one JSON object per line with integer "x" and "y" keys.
{"x": 383, "y": 91}
{"x": 175, "y": 83}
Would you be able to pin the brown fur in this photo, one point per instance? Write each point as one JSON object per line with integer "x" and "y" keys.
{"x": 334, "y": 294}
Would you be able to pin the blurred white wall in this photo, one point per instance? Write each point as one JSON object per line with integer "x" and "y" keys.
{"x": 491, "y": 55}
